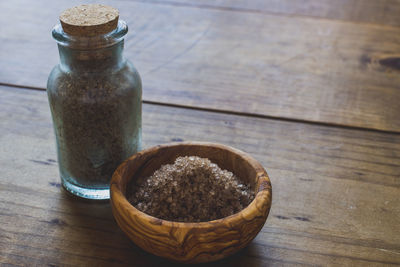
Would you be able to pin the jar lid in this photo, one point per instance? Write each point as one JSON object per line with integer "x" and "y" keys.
{"x": 89, "y": 20}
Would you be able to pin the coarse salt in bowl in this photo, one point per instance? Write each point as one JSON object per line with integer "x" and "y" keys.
{"x": 191, "y": 242}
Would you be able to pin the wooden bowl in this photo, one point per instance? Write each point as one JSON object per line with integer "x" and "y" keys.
{"x": 191, "y": 242}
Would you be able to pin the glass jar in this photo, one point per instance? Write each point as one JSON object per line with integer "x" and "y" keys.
{"x": 95, "y": 101}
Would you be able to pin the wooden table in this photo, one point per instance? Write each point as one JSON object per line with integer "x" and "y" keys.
{"x": 310, "y": 88}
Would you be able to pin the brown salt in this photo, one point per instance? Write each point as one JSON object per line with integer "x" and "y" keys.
{"x": 193, "y": 189}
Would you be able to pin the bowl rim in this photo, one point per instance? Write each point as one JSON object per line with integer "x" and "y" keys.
{"x": 264, "y": 190}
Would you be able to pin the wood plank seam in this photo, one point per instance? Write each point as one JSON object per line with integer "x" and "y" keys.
{"x": 243, "y": 114}
{"x": 256, "y": 11}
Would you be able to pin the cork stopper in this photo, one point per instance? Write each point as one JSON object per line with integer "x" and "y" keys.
{"x": 89, "y": 20}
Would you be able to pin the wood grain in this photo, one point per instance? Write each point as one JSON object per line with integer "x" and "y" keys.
{"x": 336, "y": 191}
{"x": 363, "y": 11}
{"x": 295, "y": 67}
{"x": 191, "y": 242}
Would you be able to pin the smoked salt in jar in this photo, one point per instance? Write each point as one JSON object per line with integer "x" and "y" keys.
{"x": 95, "y": 99}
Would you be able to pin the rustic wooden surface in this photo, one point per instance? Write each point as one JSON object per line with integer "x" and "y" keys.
{"x": 277, "y": 79}
{"x": 335, "y": 202}
{"x": 259, "y": 63}
{"x": 191, "y": 242}
{"x": 376, "y": 12}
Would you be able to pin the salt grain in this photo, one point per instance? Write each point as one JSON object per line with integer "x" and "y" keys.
{"x": 191, "y": 190}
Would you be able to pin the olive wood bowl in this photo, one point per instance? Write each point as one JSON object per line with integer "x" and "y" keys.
{"x": 191, "y": 242}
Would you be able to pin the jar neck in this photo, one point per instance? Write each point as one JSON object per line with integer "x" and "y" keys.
{"x": 93, "y": 60}
{"x": 91, "y": 53}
